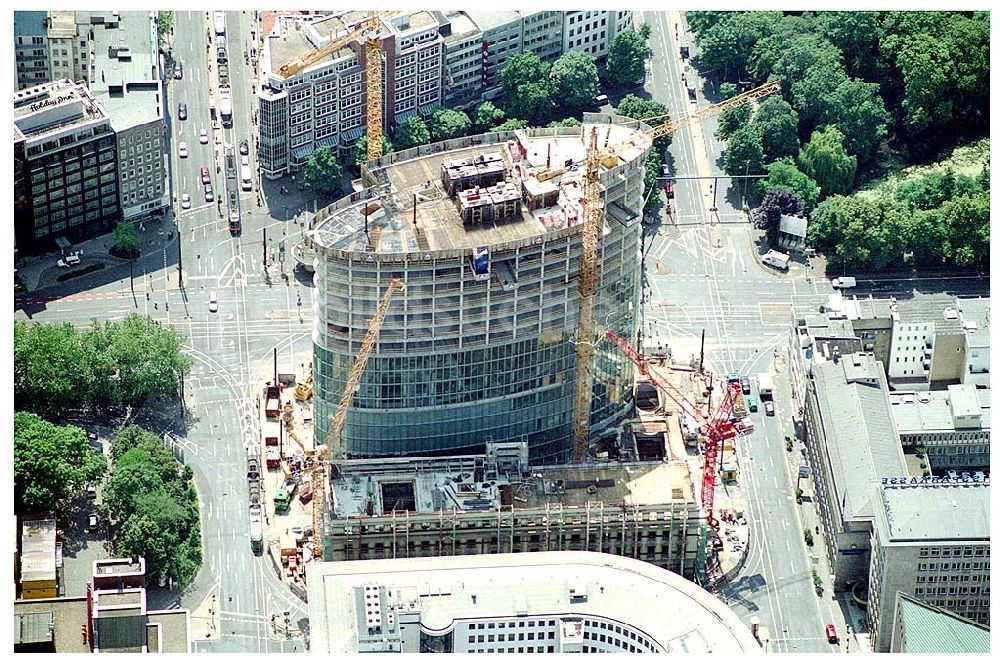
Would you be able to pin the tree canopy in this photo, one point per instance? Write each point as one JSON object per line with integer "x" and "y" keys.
{"x": 412, "y": 132}
{"x": 522, "y": 68}
{"x": 448, "y": 124}
{"x": 126, "y": 239}
{"x": 573, "y": 80}
{"x": 486, "y": 117}
{"x": 825, "y": 160}
{"x": 784, "y": 174}
{"x": 744, "y": 153}
{"x": 361, "y": 148}
{"x": 51, "y": 463}
{"x": 627, "y": 57}
{"x": 652, "y": 113}
{"x": 322, "y": 173}
{"x": 777, "y": 124}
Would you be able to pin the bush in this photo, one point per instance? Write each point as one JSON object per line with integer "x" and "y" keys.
{"x": 808, "y": 536}
{"x": 788, "y": 445}
{"x": 798, "y": 496}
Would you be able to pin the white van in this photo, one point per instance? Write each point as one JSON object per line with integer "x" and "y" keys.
{"x": 775, "y": 259}
{"x": 245, "y": 178}
{"x": 844, "y": 282}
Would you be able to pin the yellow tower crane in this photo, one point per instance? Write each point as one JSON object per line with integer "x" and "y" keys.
{"x": 330, "y": 441}
{"x": 368, "y": 29}
{"x": 593, "y": 223}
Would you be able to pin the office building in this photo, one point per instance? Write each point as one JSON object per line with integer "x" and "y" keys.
{"x": 323, "y": 104}
{"x": 501, "y": 32}
{"x": 592, "y": 31}
{"x": 498, "y": 503}
{"x": 524, "y": 603}
{"x": 463, "y": 59}
{"x": 851, "y": 442}
{"x": 952, "y": 427}
{"x": 931, "y": 541}
{"x": 480, "y": 345}
{"x": 974, "y": 314}
{"x": 31, "y": 48}
{"x": 128, "y": 84}
{"x": 110, "y": 616}
{"x": 922, "y": 628}
{"x": 66, "y": 175}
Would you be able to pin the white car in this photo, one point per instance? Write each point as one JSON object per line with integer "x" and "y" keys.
{"x": 182, "y": 149}
{"x": 245, "y": 160}
{"x": 185, "y": 201}
{"x": 71, "y": 259}
{"x": 213, "y": 302}
{"x": 203, "y": 136}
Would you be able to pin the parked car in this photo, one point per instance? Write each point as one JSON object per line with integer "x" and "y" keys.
{"x": 745, "y": 385}
{"x": 182, "y": 149}
{"x": 769, "y": 408}
{"x": 213, "y": 302}
{"x": 752, "y": 403}
{"x": 91, "y": 492}
{"x": 844, "y": 282}
{"x": 92, "y": 522}
{"x": 209, "y": 194}
{"x": 203, "y": 136}
{"x": 244, "y": 147}
{"x": 178, "y": 71}
{"x": 831, "y": 634}
{"x": 182, "y": 111}
{"x": 206, "y": 177}
{"x": 185, "y": 201}
{"x": 244, "y": 161}
{"x": 71, "y": 259}
{"x": 601, "y": 100}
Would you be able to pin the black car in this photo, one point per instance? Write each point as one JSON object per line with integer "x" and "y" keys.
{"x": 182, "y": 111}
{"x": 244, "y": 147}
{"x": 745, "y": 385}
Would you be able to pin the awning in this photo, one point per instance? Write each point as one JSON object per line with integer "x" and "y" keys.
{"x": 405, "y": 115}
{"x": 329, "y": 142}
{"x": 300, "y": 152}
{"x": 426, "y": 109}
{"x": 62, "y": 243}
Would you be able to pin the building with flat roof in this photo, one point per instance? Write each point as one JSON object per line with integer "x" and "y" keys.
{"x": 31, "y": 48}
{"x": 952, "y": 426}
{"x": 922, "y": 628}
{"x": 113, "y": 617}
{"x": 39, "y": 577}
{"x": 498, "y": 503}
{"x": 591, "y": 31}
{"x": 852, "y": 443}
{"x": 66, "y": 181}
{"x": 516, "y": 603}
{"x": 480, "y": 344}
{"x": 974, "y": 314}
{"x": 931, "y": 540}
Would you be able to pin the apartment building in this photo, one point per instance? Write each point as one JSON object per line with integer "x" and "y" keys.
{"x": 473, "y": 505}
{"x": 501, "y": 38}
{"x": 851, "y": 442}
{"x": 463, "y": 59}
{"x": 324, "y": 104}
{"x": 66, "y": 166}
{"x": 974, "y": 314}
{"x": 56, "y": 45}
{"x": 931, "y": 540}
{"x": 591, "y": 31}
{"x": 523, "y": 603}
{"x": 542, "y": 32}
{"x": 951, "y": 426}
{"x": 128, "y": 83}
{"x": 31, "y": 49}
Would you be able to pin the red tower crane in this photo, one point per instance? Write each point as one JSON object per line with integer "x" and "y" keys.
{"x": 715, "y": 429}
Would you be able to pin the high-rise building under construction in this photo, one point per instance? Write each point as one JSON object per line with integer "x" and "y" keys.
{"x": 484, "y": 232}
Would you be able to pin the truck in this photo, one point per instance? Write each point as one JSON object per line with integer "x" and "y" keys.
{"x": 281, "y": 500}
{"x": 272, "y": 401}
{"x": 256, "y": 530}
{"x": 220, "y": 23}
{"x": 766, "y": 386}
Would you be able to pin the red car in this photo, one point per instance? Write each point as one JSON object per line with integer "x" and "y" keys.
{"x": 831, "y": 634}
{"x": 205, "y": 176}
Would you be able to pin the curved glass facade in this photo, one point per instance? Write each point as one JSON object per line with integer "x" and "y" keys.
{"x": 461, "y": 361}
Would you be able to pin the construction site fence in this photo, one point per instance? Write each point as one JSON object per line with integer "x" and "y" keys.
{"x": 732, "y": 574}
{"x": 370, "y": 170}
{"x": 296, "y": 589}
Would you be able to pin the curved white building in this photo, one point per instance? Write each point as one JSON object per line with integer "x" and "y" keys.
{"x": 480, "y": 346}
{"x": 516, "y": 603}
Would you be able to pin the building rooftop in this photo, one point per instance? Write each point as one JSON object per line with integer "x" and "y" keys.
{"x": 492, "y": 18}
{"x": 929, "y": 629}
{"x": 439, "y": 224}
{"x": 38, "y": 549}
{"x": 862, "y": 442}
{"x": 53, "y": 106}
{"x": 944, "y": 511}
{"x": 938, "y": 310}
{"x": 29, "y": 24}
{"x": 451, "y": 589}
{"x": 413, "y": 20}
{"x": 289, "y": 39}
{"x": 461, "y": 26}
{"x": 126, "y": 65}
{"x": 975, "y": 317}
{"x": 794, "y": 225}
{"x": 930, "y": 411}
{"x": 486, "y": 482}
{"x": 64, "y": 22}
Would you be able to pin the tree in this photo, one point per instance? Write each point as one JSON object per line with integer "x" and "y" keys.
{"x": 520, "y": 69}
{"x": 448, "y": 124}
{"x": 532, "y": 102}
{"x": 361, "y": 148}
{"x": 777, "y": 123}
{"x": 860, "y": 231}
{"x": 857, "y": 109}
{"x": 652, "y": 113}
{"x": 51, "y": 463}
{"x": 651, "y": 183}
{"x": 744, "y": 154}
{"x": 565, "y": 122}
{"x": 645, "y": 30}
{"x": 164, "y": 24}
{"x": 322, "y": 172}
{"x": 573, "y": 80}
{"x": 726, "y": 46}
{"x": 511, "y": 124}
{"x": 727, "y": 90}
{"x": 126, "y": 239}
{"x": 486, "y": 117}
{"x": 731, "y": 120}
{"x": 627, "y": 57}
{"x": 930, "y": 190}
{"x": 51, "y": 364}
{"x": 411, "y": 132}
{"x": 825, "y": 160}
{"x": 967, "y": 220}
{"x": 783, "y": 173}
{"x": 777, "y": 201}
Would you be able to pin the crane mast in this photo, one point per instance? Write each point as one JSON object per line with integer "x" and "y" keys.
{"x": 323, "y": 452}
{"x": 593, "y": 223}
